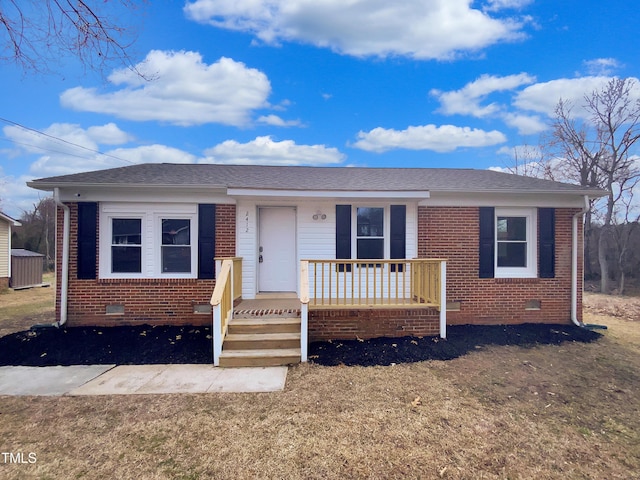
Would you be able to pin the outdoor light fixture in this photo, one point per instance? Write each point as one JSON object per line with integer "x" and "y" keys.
{"x": 319, "y": 216}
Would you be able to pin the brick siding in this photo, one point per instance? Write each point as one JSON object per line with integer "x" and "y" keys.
{"x": 443, "y": 232}
{"x": 151, "y": 301}
{"x": 452, "y": 233}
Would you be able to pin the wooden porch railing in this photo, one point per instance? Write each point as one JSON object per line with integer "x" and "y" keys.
{"x": 228, "y": 288}
{"x": 375, "y": 283}
{"x": 237, "y": 273}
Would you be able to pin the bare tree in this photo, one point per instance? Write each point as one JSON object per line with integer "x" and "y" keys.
{"x": 575, "y": 159}
{"x": 37, "y": 232}
{"x": 616, "y": 115}
{"x": 624, "y": 227}
{"x": 531, "y": 161}
{"x": 597, "y": 152}
{"x": 35, "y": 34}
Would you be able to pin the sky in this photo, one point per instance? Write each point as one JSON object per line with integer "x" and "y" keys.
{"x": 369, "y": 83}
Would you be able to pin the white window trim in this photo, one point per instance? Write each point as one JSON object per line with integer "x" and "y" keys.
{"x": 105, "y": 244}
{"x": 193, "y": 243}
{"x": 386, "y": 229}
{"x": 151, "y": 216}
{"x": 531, "y": 270}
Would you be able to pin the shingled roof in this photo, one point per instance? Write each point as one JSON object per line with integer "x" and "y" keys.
{"x": 312, "y": 178}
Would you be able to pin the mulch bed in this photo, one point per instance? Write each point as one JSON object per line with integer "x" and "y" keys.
{"x": 139, "y": 345}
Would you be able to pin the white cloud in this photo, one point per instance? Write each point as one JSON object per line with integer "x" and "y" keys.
{"x": 602, "y": 66}
{"x": 265, "y": 151}
{"x": 108, "y": 134}
{"x": 496, "y": 5}
{"x": 15, "y": 196}
{"x": 525, "y": 124}
{"x": 65, "y": 148}
{"x": 277, "y": 121}
{"x": 183, "y": 90}
{"x": 527, "y": 110}
{"x": 65, "y": 139}
{"x": 444, "y": 138}
{"x": 153, "y": 154}
{"x": 543, "y": 97}
{"x": 466, "y": 101}
{"x": 437, "y": 29}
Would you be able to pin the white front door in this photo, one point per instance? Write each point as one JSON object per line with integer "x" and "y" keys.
{"x": 277, "y": 267}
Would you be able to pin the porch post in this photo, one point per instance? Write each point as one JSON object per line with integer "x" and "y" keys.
{"x": 443, "y": 299}
{"x": 217, "y": 335}
{"x": 304, "y": 310}
{"x": 304, "y": 334}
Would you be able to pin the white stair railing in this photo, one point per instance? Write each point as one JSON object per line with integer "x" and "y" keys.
{"x": 222, "y": 305}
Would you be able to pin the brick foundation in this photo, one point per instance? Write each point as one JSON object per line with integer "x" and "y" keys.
{"x": 452, "y": 233}
{"x": 372, "y": 323}
{"x": 150, "y": 301}
{"x": 4, "y": 283}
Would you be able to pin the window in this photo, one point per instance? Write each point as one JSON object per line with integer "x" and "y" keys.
{"x": 512, "y": 241}
{"x": 176, "y": 245}
{"x": 370, "y": 232}
{"x": 155, "y": 241}
{"x": 515, "y": 245}
{"x": 126, "y": 245}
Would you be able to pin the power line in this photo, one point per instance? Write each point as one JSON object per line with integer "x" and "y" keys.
{"x": 38, "y": 132}
{"x": 44, "y": 149}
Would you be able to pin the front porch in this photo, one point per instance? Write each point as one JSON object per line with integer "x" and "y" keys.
{"x": 336, "y": 299}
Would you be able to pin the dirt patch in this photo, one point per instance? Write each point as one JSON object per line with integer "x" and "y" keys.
{"x": 626, "y": 308}
{"x": 460, "y": 341}
{"x": 156, "y": 345}
{"x": 138, "y": 345}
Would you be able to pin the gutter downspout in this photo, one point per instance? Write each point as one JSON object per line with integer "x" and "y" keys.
{"x": 574, "y": 263}
{"x": 64, "y": 277}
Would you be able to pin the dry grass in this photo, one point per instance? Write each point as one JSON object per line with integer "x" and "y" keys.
{"x": 568, "y": 411}
{"x": 19, "y": 309}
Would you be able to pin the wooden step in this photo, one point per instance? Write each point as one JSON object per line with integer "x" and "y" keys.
{"x": 264, "y": 325}
{"x": 260, "y": 357}
{"x": 264, "y": 341}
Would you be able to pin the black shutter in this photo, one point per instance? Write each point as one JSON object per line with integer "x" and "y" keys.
{"x": 397, "y": 244}
{"x": 547, "y": 242}
{"x": 487, "y": 242}
{"x": 343, "y": 235}
{"x": 206, "y": 241}
{"x": 87, "y": 240}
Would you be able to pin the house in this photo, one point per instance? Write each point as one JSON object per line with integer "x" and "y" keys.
{"x": 6, "y": 222}
{"x": 346, "y": 252}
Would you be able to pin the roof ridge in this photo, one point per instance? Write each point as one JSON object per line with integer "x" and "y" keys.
{"x": 306, "y": 177}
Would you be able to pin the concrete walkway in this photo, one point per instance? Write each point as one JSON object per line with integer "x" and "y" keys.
{"x": 138, "y": 379}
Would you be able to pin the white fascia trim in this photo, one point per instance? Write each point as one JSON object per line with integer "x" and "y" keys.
{"x": 502, "y": 200}
{"x": 248, "y": 192}
{"x": 10, "y": 221}
{"x": 147, "y": 195}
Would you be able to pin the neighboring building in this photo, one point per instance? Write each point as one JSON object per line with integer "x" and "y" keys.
{"x": 139, "y": 242}
{"x": 26, "y": 269}
{"x": 6, "y": 222}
